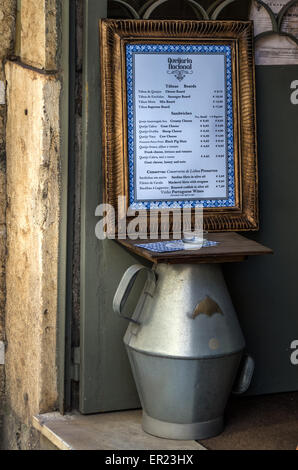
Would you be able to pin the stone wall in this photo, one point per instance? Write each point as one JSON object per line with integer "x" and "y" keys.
{"x": 32, "y": 218}
{"x": 7, "y": 35}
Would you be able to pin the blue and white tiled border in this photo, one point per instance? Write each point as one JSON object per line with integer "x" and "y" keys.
{"x": 131, "y": 49}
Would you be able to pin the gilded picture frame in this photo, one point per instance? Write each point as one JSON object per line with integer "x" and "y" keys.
{"x": 117, "y": 39}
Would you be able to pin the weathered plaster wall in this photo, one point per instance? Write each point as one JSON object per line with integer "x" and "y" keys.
{"x": 7, "y": 33}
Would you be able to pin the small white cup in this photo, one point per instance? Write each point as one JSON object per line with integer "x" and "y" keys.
{"x": 193, "y": 240}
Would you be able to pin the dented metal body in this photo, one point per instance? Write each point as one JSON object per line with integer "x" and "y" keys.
{"x": 184, "y": 344}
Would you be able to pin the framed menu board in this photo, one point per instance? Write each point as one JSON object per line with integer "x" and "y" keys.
{"x": 179, "y": 132}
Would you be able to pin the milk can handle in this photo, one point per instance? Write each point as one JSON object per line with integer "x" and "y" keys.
{"x": 245, "y": 374}
{"x": 126, "y": 284}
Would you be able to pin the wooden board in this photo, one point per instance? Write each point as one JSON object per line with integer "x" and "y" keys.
{"x": 104, "y": 431}
{"x": 232, "y": 247}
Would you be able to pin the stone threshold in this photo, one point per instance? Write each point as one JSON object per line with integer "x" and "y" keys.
{"x": 104, "y": 431}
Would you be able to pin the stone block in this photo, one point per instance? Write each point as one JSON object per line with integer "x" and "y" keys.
{"x": 7, "y": 30}
{"x": 33, "y": 146}
{"x": 39, "y": 33}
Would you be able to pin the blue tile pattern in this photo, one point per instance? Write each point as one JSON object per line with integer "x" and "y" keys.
{"x": 175, "y": 245}
{"x": 131, "y": 49}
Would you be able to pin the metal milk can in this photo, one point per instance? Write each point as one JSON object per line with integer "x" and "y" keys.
{"x": 185, "y": 345}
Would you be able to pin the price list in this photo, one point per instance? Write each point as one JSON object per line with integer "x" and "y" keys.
{"x": 180, "y": 120}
